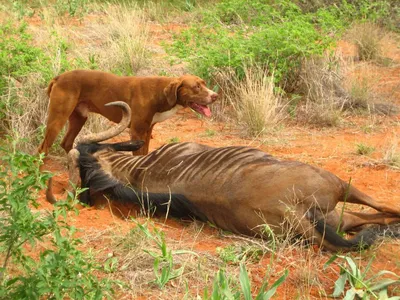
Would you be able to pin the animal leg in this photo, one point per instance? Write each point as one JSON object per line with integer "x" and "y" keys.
{"x": 145, "y": 137}
{"x": 60, "y": 108}
{"x": 75, "y": 123}
{"x": 352, "y": 220}
{"x": 358, "y": 197}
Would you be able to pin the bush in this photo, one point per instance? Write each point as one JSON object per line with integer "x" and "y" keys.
{"x": 61, "y": 270}
{"x": 239, "y": 33}
{"x": 18, "y": 57}
{"x": 277, "y": 34}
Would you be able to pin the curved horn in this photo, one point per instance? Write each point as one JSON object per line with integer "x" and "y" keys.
{"x": 113, "y": 131}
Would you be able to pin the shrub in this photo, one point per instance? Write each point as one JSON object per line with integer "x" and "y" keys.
{"x": 18, "y": 57}
{"x": 239, "y": 33}
{"x": 61, "y": 270}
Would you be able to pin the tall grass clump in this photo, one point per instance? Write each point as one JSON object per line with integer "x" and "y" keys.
{"x": 25, "y": 108}
{"x": 367, "y": 37}
{"x": 392, "y": 154}
{"x": 321, "y": 83}
{"x": 255, "y": 102}
{"x": 124, "y": 36}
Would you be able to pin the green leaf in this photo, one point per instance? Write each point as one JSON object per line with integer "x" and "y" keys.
{"x": 331, "y": 260}
{"x": 383, "y": 284}
{"x": 245, "y": 282}
{"x": 275, "y": 285}
{"x": 339, "y": 285}
{"x": 350, "y": 295}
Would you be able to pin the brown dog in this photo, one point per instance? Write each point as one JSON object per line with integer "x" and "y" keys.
{"x": 152, "y": 99}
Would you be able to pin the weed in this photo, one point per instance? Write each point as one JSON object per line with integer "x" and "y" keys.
{"x": 222, "y": 290}
{"x": 235, "y": 254}
{"x": 361, "y": 287}
{"x": 363, "y": 149}
{"x": 164, "y": 269}
{"x": 173, "y": 140}
{"x": 72, "y": 7}
{"x": 210, "y": 133}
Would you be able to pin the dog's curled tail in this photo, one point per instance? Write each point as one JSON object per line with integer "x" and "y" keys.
{"x": 51, "y": 85}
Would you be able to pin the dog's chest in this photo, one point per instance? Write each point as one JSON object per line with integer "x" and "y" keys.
{"x": 159, "y": 117}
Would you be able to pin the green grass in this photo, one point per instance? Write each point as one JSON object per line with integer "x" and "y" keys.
{"x": 363, "y": 149}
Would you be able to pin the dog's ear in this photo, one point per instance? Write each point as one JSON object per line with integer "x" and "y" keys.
{"x": 171, "y": 91}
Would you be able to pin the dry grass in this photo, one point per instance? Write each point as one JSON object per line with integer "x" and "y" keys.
{"x": 26, "y": 106}
{"x": 125, "y": 35}
{"x": 392, "y": 154}
{"x": 333, "y": 86}
{"x": 325, "y": 96}
{"x": 367, "y": 37}
{"x": 253, "y": 99}
{"x": 115, "y": 41}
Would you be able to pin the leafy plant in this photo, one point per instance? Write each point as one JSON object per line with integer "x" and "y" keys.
{"x": 363, "y": 149}
{"x": 17, "y": 55}
{"x": 72, "y": 7}
{"x": 222, "y": 290}
{"x": 237, "y": 33}
{"x": 209, "y": 133}
{"x": 61, "y": 269}
{"x": 361, "y": 286}
{"x": 235, "y": 254}
{"x": 163, "y": 265}
{"x": 173, "y": 140}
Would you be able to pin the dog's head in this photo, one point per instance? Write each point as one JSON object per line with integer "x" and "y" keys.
{"x": 189, "y": 90}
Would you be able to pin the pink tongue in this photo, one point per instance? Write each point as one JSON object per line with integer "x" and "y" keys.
{"x": 201, "y": 109}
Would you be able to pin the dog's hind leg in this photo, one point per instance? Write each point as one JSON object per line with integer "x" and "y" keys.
{"x": 61, "y": 107}
{"x": 75, "y": 123}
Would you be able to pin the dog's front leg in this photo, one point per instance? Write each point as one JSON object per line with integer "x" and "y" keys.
{"x": 141, "y": 132}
